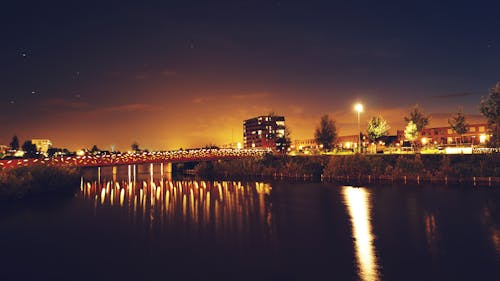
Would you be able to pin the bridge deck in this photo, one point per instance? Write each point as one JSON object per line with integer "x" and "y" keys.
{"x": 128, "y": 159}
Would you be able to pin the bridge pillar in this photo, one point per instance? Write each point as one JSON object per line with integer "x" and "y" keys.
{"x": 99, "y": 176}
{"x": 134, "y": 167}
{"x": 167, "y": 167}
{"x": 151, "y": 172}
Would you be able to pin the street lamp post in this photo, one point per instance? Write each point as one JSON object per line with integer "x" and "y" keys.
{"x": 359, "y": 108}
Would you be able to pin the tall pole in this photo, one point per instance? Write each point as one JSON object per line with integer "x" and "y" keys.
{"x": 359, "y": 135}
{"x": 359, "y": 108}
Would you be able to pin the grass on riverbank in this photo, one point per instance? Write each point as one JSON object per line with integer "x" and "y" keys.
{"x": 457, "y": 166}
{"x": 22, "y": 182}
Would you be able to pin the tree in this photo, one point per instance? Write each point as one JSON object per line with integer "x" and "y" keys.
{"x": 418, "y": 117}
{"x": 326, "y": 133}
{"x": 29, "y": 149}
{"x": 458, "y": 124}
{"x": 377, "y": 127}
{"x": 135, "y": 146}
{"x": 284, "y": 142}
{"x": 14, "y": 144}
{"x": 95, "y": 149}
{"x": 411, "y": 132}
{"x": 490, "y": 108}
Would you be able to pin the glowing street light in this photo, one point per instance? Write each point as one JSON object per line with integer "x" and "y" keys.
{"x": 359, "y": 108}
{"x": 482, "y": 138}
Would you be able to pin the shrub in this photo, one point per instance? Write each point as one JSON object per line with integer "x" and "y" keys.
{"x": 23, "y": 182}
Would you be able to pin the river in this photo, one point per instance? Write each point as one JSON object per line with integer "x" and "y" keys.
{"x": 150, "y": 227}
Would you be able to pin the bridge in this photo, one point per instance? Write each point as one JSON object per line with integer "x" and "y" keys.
{"x": 177, "y": 156}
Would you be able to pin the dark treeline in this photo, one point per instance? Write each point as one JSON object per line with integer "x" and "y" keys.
{"x": 395, "y": 166}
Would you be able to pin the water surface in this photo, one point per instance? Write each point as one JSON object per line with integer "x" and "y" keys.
{"x": 147, "y": 227}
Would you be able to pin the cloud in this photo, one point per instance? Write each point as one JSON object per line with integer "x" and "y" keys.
{"x": 65, "y": 104}
{"x": 296, "y": 109}
{"x": 62, "y": 105}
{"x": 132, "y": 107}
{"x": 168, "y": 73}
{"x": 201, "y": 100}
{"x": 453, "y": 95}
{"x": 250, "y": 96}
{"x": 141, "y": 76}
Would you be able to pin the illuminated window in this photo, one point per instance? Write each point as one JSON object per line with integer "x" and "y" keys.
{"x": 450, "y": 131}
{"x": 481, "y": 129}
{"x": 472, "y": 129}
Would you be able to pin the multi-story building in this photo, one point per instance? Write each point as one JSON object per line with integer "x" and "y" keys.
{"x": 264, "y": 132}
{"x": 476, "y": 134}
{"x": 42, "y": 145}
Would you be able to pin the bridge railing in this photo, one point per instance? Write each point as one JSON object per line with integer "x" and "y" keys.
{"x": 138, "y": 158}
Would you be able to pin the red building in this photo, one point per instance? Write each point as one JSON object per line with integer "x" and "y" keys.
{"x": 476, "y": 134}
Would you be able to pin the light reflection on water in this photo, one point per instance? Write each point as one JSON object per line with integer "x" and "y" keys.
{"x": 216, "y": 208}
{"x": 358, "y": 205}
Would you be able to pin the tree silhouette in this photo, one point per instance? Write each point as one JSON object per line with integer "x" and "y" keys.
{"x": 418, "y": 117}
{"x": 490, "y": 108}
{"x": 14, "y": 144}
{"x": 135, "y": 146}
{"x": 326, "y": 133}
{"x": 29, "y": 149}
{"x": 95, "y": 149}
{"x": 458, "y": 124}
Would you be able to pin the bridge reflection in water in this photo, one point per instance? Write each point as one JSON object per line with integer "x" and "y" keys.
{"x": 212, "y": 210}
{"x": 358, "y": 204}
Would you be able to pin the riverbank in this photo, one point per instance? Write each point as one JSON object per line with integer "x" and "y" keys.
{"x": 24, "y": 182}
{"x": 446, "y": 168}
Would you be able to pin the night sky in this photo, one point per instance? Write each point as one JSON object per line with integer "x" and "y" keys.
{"x": 176, "y": 74}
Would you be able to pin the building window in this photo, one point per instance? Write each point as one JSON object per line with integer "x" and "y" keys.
{"x": 472, "y": 129}
{"x": 450, "y": 131}
{"x": 481, "y": 129}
